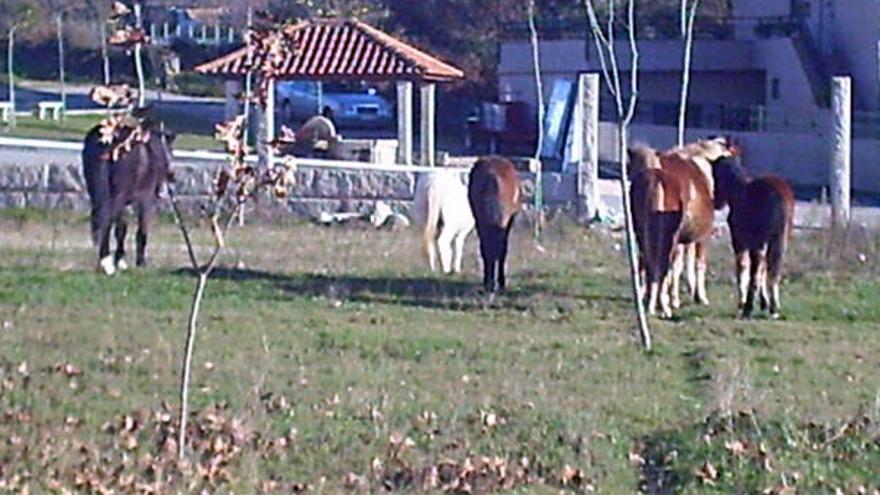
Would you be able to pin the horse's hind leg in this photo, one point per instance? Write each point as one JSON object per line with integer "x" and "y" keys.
{"x": 757, "y": 258}
{"x": 504, "y": 239}
{"x": 105, "y": 261}
{"x": 743, "y": 264}
{"x": 775, "y": 255}
{"x": 702, "y": 262}
{"x": 444, "y": 245}
{"x": 145, "y": 217}
{"x": 120, "y": 229}
{"x": 458, "y": 249}
{"x": 489, "y": 253}
{"x": 679, "y": 253}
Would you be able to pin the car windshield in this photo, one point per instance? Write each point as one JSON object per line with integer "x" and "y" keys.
{"x": 358, "y": 87}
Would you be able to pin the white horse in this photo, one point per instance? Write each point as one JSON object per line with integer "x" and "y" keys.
{"x": 441, "y": 203}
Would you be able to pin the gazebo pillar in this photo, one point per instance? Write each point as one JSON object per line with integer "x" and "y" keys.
{"x": 404, "y": 122}
{"x": 428, "y": 94}
{"x": 266, "y": 131}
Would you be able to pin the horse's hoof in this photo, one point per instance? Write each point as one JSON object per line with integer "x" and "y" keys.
{"x": 775, "y": 315}
{"x": 121, "y": 264}
{"x": 107, "y": 265}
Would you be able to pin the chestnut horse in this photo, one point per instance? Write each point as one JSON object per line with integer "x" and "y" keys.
{"x": 495, "y": 199}
{"x": 672, "y": 209}
{"x": 760, "y": 220}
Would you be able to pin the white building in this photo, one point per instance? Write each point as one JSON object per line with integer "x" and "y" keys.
{"x": 773, "y": 61}
{"x": 765, "y": 74}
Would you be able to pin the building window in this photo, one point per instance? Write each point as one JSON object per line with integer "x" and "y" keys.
{"x": 774, "y": 88}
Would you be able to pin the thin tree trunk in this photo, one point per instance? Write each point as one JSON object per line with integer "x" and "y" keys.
{"x": 138, "y": 58}
{"x": 105, "y": 57}
{"x": 59, "y": 20}
{"x": 631, "y": 248}
{"x": 539, "y": 88}
{"x": 187, "y": 360}
{"x": 11, "y": 65}
{"x": 249, "y": 78}
{"x": 688, "y": 18}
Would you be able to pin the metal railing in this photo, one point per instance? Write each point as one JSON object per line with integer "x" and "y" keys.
{"x": 203, "y": 34}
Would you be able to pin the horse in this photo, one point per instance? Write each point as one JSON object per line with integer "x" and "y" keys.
{"x": 495, "y": 199}
{"x": 133, "y": 178}
{"x": 692, "y": 165}
{"x": 761, "y": 221}
{"x": 441, "y": 204}
{"x": 671, "y": 199}
{"x": 657, "y": 204}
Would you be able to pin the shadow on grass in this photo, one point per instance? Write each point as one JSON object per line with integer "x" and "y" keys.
{"x": 452, "y": 293}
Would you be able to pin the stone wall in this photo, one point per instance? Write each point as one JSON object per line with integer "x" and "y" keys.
{"x": 37, "y": 178}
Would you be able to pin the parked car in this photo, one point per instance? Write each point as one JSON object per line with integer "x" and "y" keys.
{"x": 346, "y": 105}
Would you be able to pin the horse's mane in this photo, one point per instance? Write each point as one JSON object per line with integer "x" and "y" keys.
{"x": 706, "y": 149}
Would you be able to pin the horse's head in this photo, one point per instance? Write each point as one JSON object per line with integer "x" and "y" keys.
{"x": 160, "y": 143}
{"x": 729, "y": 175}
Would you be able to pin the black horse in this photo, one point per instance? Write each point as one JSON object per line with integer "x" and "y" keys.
{"x": 134, "y": 178}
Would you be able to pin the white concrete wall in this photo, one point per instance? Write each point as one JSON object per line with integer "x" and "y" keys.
{"x": 856, "y": 33}
{"x": 717, "y": 67}
{"x": 779, "y": 60}
{"x": 800, "y": 158}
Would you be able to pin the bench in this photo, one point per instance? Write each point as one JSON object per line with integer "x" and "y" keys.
{"x": 5, "y": 111}
{"x": 55, "y": 108}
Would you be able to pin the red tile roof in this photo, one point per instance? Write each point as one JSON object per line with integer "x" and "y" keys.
{"x": 344, "y": 49}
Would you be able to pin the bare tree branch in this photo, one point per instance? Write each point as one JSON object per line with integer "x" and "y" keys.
{"x": 688, "y": 35}
{"x": 605, "y": 45}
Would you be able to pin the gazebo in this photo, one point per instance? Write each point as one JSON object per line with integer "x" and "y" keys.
{"x": 348, "y": 49}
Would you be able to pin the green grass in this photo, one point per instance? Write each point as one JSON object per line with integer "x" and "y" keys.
{"x": 74, "y": 128}
{"x": 328, "y": 346}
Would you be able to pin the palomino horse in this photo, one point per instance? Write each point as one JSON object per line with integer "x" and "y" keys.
{"x": 760, "y": 220}
{"x": 133, "y": 179}
{"x": 672, "y": 208}
{"x": 441, "y": 204}
{"x": 495, "y": 198}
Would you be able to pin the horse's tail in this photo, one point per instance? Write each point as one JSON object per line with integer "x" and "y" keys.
{"x": 483, "y": 196}
{"x": 657, "y": 217}
{"x": 96, "y": 172}
{"x": 431, "y": 210}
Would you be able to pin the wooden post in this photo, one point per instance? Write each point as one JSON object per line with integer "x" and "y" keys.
{"x": 428, "y": 94}
{"x": 231, "y": 35}
{"x": 165, "y": 32}
{"x": 588, "y": 168}
{"x": 216, "y": 34}
{"x": 404, "y": 122}
{"x": 841, "y": 150}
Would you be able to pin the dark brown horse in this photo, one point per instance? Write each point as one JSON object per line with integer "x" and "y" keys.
{"x": 495, "y": 198}
{"x": 134, "y": 178}
{"x": 672, "y": 209}
{"x": 760, "y": 220}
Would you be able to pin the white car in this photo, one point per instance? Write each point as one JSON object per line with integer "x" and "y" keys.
{"x": 345, "y": 106}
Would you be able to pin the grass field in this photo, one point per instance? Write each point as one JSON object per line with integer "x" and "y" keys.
{"x": 329, "y": 360}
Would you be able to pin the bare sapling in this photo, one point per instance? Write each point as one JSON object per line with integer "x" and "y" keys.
{"x": 688, "y": 15}
{"x": 539, "y": 90}
{"x": 235, "y": 183}
{"x": 605, "y": 40}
